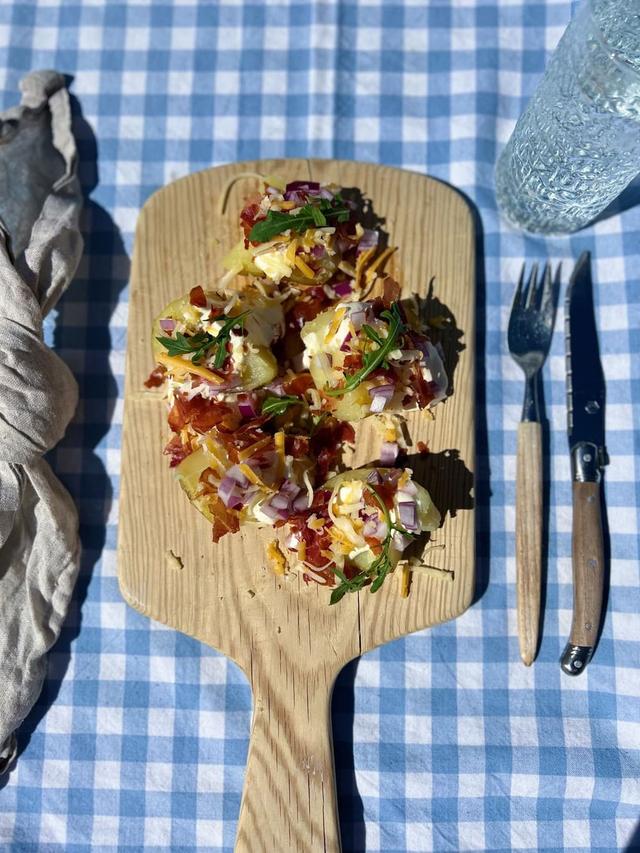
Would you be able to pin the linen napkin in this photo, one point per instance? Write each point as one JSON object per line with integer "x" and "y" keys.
{"x": 40, "y": 246}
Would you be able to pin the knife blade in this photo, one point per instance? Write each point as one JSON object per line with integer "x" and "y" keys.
{"x": 586, "y": 435}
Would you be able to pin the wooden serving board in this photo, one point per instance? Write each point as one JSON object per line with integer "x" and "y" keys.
{"x": 283, "y": 634}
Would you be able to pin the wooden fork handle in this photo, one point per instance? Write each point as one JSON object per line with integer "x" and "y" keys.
{"x": 529, "y": 537}
{"x": 289, "y": 801}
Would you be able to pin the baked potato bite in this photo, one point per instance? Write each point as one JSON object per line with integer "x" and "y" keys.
{"x": 366, "y": 359}
{"x": 221, "y": 339}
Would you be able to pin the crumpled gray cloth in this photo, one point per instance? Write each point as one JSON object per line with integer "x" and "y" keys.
{"x": 40, "y": 246}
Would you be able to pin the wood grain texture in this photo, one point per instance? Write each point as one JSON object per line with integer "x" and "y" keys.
{"x": 588, "y": 564}
{"x": 282, "y": 633}
{"x": 529, "y": 537}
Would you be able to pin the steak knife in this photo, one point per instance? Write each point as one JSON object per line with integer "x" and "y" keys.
{"x": 585, "y": 427}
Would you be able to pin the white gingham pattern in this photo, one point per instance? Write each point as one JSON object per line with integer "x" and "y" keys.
{"x": 445, "y": 741}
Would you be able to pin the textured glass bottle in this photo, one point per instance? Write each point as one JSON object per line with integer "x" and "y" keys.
{"x": 577, "y": 145}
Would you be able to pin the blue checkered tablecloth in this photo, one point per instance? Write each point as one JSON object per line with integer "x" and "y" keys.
{"x": 444, "y": 740}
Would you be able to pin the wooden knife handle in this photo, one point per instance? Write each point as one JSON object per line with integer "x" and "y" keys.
{"x": 588, "y": 577}
{"x": 289, "y": 801}
{"x": 529, "y": 537}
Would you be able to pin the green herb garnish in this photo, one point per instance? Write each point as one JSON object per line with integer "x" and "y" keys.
{"x": 381, "y": 566}
{"x": 374, "y": 358}
{"x": 309, "y": 216}
{"x": 198, "y": 345}
{"x": 278, "y": 405}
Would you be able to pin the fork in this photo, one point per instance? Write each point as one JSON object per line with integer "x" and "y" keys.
{"x": 529, "y": 336}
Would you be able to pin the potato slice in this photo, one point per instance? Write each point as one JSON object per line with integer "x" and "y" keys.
{"x": 188, "y": 474}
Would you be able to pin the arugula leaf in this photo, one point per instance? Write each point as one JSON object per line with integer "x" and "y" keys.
{"x": 199, "y": 344}
{"x": 309, "y": 216}
{"x": 373, "y": 359}
{"x": 181, "y": 345}
{"x": 371, "y": 333}
{"x": 273, "y": 405}
{"x": 339, "y": 592}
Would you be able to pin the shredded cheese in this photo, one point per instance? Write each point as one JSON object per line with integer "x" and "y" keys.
{"x": 361, "y": 264}
{"x": 279, "y": 443}
{"x": 181, "y": 365}
{"x": 380, "y": 260}
{"x": 307, "y": 482}
{"x": 405, "y": 580}
{"x": 335, "y": 324}
{"x": 305, "y": 269}
{"x": 248, "y": 452}
{"x": 290, "y": 253}
{"x": 276, "y": 558}
{"x": 252, "y": 477}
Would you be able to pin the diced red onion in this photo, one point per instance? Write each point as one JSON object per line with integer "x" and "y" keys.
{"x": 296, "y": 197}
{"x": 375, "y": 528}
{"x": 167, "y": 324}
{"x": 325, "y": 193}
{"x": 302, "y": 185}
{"x": 247, "y": 407}
{"x": 345, "y": 343}
{"x": 318, "y": 251}
{"x": 381, "y": 395}
{"x": 374, "y": 477}
{"x": 408, "y": 513}
{"x": 279, "y": 502}
{"x": 377, "y": 404}
{"x": 359, "y": 314}
{"x": 290, "y": 489}
{"x": 358, "y": 318}
{"x": 276, "y": 388}
{"x": 229, "y": 494}
{"x": 369, "y": 240}
{"x": 408, "y": 491}
{"x": 389, "y": 452}
{"x": 270, "y": 511}
{"x": 434, "y": 362}
{"x": 236, "y": 475}
{"x": 400, "y": 541}
{"x": 301, "y": 503}
{"x": 342, "y": 288}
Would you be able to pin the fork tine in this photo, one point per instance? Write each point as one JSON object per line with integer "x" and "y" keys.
{"x": 518, "y": 296}
{"x": 546, "y": 291}
{"x": 532, "y": 285}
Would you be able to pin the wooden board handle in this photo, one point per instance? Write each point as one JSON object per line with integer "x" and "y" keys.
{"x": 529, "y": 537}
{"x": 588, "y": 577}
{"x": 289, "y": 800}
